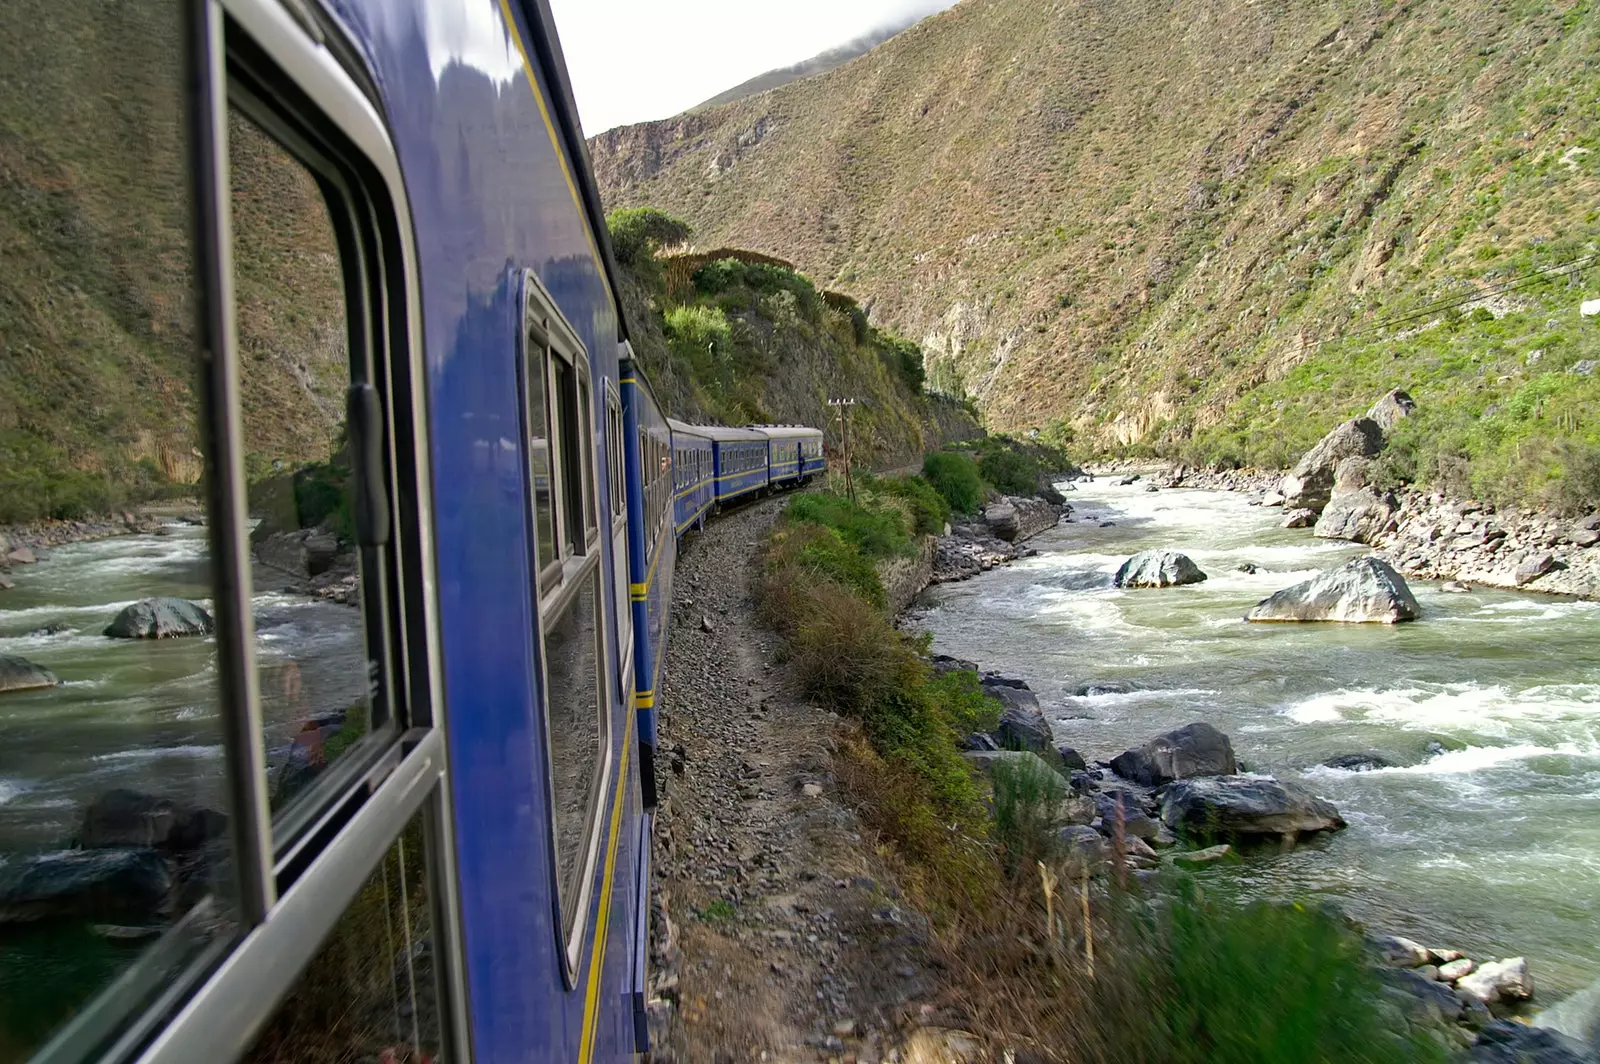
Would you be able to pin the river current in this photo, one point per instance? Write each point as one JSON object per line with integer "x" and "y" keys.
{"x": 1490, "y": 845}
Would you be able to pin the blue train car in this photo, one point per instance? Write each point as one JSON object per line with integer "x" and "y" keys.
{"x": 652, "y": 550}
{"x": 795, "y": 452}
{"x": 743, "y": 462}
{"x": 694, "y": 479}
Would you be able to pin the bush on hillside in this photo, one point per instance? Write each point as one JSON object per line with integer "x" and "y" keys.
{"x": 818, "y": 553}
{"x": 875, "y": 533}
{"x": 929, "y": 510}
{"x": 637, "y": 233}
{"x": 904, "y": 357}
{"x": 1027, "y": 793}
{"x": 702, "y": 337}
{"x": 764, "y": 278}
{"x": 1009, "y": 472}
{"x": 954, "y": 475}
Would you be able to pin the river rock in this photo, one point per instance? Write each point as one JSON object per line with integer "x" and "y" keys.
{"x": 1158, "y": 568}
{"x": 7, "y": 585}
{"x": 1398, "y": 951}
{"x": 128, "y": 818}
{"x": 1364, "y": 762}
{"x": 302, "y": 552}
{"x": 1022, "y": 724}
{"x": 1364, "y": 590}
{"x": 1193, "y": 750}
{"x": 1391, "y": 409}
{"x": 1001, "y": 517}
{"x": 1070, "y": 759}
{"x": 1299, "y": 517}
{"x": 160, "y": 618}
{"x": 1506, "y": 980}
{"x": 943, "y": 663}
{"x": 21, "y": 556}
{"x": 1504, "y": 1042}
{"x": 1455, "y": 587}
{"x": 1113, "y": 805}
{"x": 1310, "y": 483}
{"x": 1084, "y": 847}
{"x": 1360, "y": 515}
{"x": 117, "y": 886}
{"x": 1426, "y": 1003}
{"x": 1246, "y": 805}
{"x": 1532, "y": 568}
{"x": 1450, "y": 971}
{"x": 20, "y": 674}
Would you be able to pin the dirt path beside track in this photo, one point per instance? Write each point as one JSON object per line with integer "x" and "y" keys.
{"x": 777, "y": 932}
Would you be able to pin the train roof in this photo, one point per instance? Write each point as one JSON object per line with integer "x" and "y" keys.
{"x": 683, "y": 428}
{"x": 724, "y": 434}
{"x": 786, "y": 432}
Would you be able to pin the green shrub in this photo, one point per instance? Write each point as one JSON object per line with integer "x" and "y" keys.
{"x": 904, "y": 357}
{"x": 1195, "y": 981}
{"x": 824, "y": 553}
{"x": 929, "y": 510}
{"x": 702, "y": 337}
{"x": 764, "y": 278}
{"x": 1009, "y": 472}
{"x": 876, "y": 534}
{"x": 954, "y": 475}
{"x": 638, "y": 232}
{"x": 1027, "y": 795}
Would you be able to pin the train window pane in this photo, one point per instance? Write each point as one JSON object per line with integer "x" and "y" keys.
{"x": 113, "y": 807}
{"x": 572, "y": 692}
{"x": 316, "y": 674}
{"x": 369, "y": 994}
{"x": 539, "y": 451}
{"x": 585, "y": 433}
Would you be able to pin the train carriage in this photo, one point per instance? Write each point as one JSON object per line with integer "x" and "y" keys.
{"x": 790, "y": 447}
{"x": 694, "y": 478}
{"x": 398, "y": 806}
{"x": 742, "y": 462}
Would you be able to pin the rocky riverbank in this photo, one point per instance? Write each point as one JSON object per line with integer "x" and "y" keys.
{"x": 995, "y": 536}
{"x": 25, "y": 544}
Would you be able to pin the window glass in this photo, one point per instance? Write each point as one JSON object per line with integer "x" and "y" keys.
{"x": 370, "y": 993}
{"x": 576, "y": 727}
{"x": 113, "y": 808}
{"x": 539, "y": 451}
{"x": 316, "y": 677}
{"x": 585, "y": 433}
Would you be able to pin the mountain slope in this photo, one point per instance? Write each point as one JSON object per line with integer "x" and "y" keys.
{"x": 820, "y": 63}
{"x": 1183, "y": 225}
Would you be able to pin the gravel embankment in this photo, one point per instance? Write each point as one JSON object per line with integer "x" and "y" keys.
{"x": 777, "y": 934}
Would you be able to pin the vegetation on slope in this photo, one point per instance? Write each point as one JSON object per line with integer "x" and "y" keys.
{"x": 1205, "y": 230}
{"x": 746, "y": 339}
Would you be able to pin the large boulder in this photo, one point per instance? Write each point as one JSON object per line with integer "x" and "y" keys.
{"x": 1001, "y": 517}
{"x": 122, "y": 818}
{"x": 1158, "y": 568}
{"x": 1022, "y": 724}
{"x": 160, "y": 618}
{"x": 1506, "y": 980}
{"x": 20, "y": 674}
{"x": 1364, "y": 590}
{"x": 116, "y": 886}
{"x": 1359, "y": 515}
{"x": 1392, "y": 409}
{"x": 302, "y": 552}
{"x": 1310, "y": 483}
{"x": 1505, "y": 1042}
{"x": 1245, "y": 805}
{"x": 1193, "y": 750}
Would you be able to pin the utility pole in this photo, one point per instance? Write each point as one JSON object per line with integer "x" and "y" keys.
{"x": 844, "y": 406}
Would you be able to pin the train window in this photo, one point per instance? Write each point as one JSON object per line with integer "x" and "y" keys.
{"x": 536, "y": 388}
{"x": 591, "y": 486}
{"x": 370, "y": 993}
{"x": 114, "y": 863}
{"x": 316, "y": 677}
{"x": 617, "y": 480}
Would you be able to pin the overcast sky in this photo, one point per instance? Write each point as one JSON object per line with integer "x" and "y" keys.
{"x": 634, "y": 60}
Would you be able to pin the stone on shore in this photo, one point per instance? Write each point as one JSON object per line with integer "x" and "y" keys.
{"x": 1001, "y": 517}
{"x": 160, "y": 618}
{"x": 118, "y": 886}
{"x": 1299, "y": 517}
{"x": 122, "y": 817}
{"x": 1532, "y": 568}
{"x": 1504, "y": 1042}
{"x": 1193, "y": 750}
{"x": 21, "y": 556}
{"x": 1397, "y": 951}
{"x": 1506, "y": 980}
{"x": 1158, "y": 568}
{"x": 1022, "y": 724}
{"x": 1208, "y": 855}
{"x": 1310, "y": 483}
{"x": 1366, "y": 590}
{"x": 20, "y": 674}
{"x": 1246, "y": 805}
{"x": 1360, "y": 515}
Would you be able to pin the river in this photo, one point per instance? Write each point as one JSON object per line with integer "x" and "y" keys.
{"x": 1491, "y": 846}
{"x": 143, "y": 714}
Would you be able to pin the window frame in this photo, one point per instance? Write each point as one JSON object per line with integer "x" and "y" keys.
{"x": 556, "y": 590}
{"x": 292, "y": 895}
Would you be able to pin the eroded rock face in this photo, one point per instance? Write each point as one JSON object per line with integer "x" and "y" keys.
{"x": 1158, "y": 568}
{"x": 1366, "y": 590}
{"x": 1245, "y": 805}
{"x": 1360, "y": 515}
{"x": 1193, "y": 750}
{"x": 1310, "y": 483}
{"x": 160, "y": 618}
{"x": 20, "y": 674}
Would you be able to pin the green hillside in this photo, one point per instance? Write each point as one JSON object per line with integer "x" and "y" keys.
{"x": 1205, "y": 230}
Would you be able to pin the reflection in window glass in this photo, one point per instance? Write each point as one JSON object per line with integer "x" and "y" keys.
{"x": 539, "y": 452}
{"x": 369, "y": 994}
{"x": 294, "y": 363}
{"x": 572, "y": 691}
{"x": 113, "y": 815}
